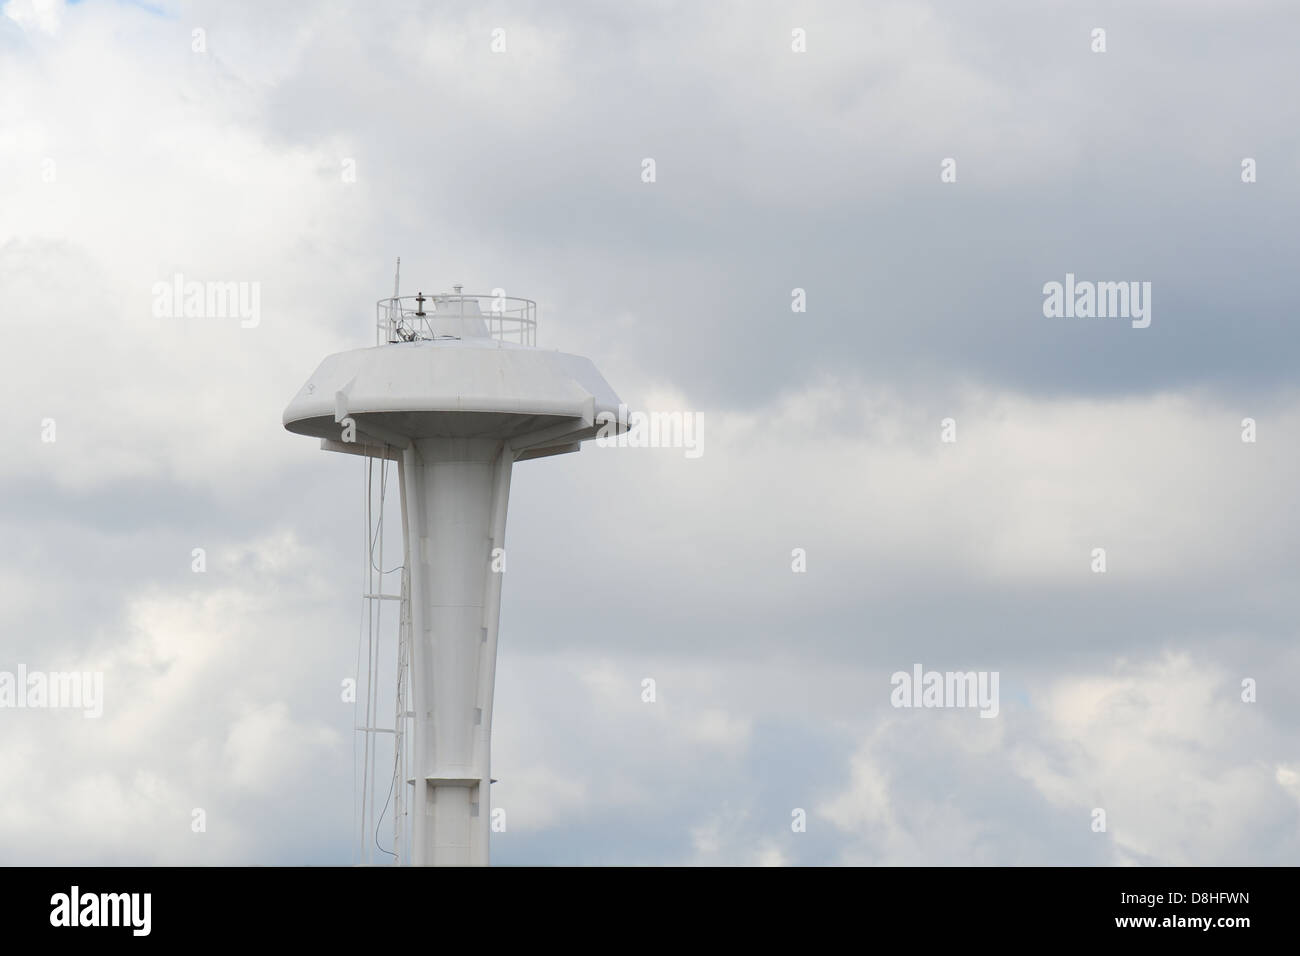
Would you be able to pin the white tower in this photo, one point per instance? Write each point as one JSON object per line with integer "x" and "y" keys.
{"x": 456, "y": 392}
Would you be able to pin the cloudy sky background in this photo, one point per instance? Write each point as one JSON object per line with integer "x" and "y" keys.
{"x": 775, "y": 170}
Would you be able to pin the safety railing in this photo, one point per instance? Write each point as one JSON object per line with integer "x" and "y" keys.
{"x": 410, "y": 318}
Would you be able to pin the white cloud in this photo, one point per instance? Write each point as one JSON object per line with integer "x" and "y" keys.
{"x": 43, "y": 16}
{"x": 1180, "y": 765}
{"x": 194, "y": 715}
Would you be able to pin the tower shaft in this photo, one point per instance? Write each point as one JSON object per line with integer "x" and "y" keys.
{"x": 455, "y": 493}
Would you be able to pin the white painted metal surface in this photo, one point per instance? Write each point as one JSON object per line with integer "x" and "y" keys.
{"x": 456, "y": 407}
{"x": 456, "y": 314}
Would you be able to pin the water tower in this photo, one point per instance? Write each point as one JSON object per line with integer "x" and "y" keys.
{"x": 455, "y": 391}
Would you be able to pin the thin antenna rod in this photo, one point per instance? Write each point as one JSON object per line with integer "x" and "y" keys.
{"x": 394, "y": 308}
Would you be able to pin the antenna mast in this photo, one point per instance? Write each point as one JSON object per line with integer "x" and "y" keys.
{"x": 394, "y": 308}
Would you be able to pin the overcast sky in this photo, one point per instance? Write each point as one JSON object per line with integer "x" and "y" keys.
{"x": 303, "y": 147}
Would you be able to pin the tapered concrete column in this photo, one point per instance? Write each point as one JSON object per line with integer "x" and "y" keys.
{"x": 456, "y": 494}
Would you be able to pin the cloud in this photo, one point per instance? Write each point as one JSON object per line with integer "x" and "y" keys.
{"x": 1179, "y": 764}
{"x": 42, "y": 16}
{"x": 195, "y": 715}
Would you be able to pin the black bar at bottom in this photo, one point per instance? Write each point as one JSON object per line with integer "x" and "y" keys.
{"x": 658, "y": 907}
